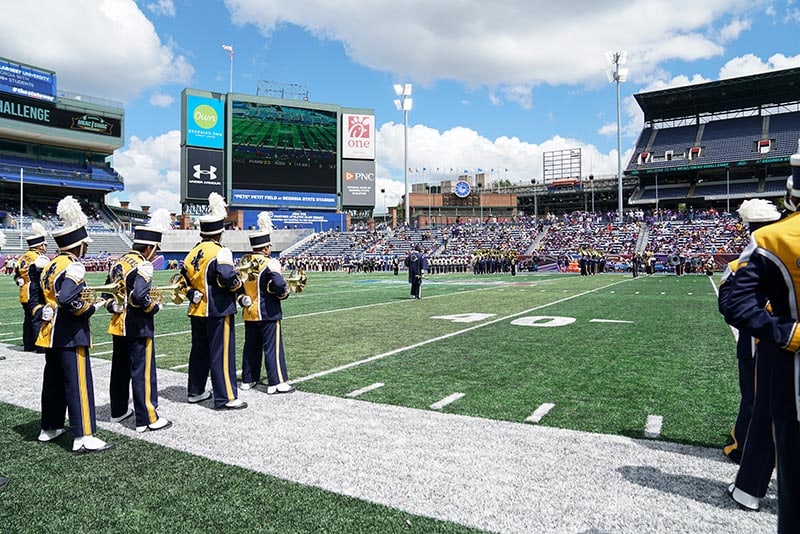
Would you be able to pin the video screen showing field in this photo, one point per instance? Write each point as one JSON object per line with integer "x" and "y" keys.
{"x": 283, "y": 148}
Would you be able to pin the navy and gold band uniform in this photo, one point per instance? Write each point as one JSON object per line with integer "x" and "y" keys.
{"x": 262, "y": 324}
{"x": 768, "y": 268}
{"x": 133, "y": 360}
{"x": 66, "y": 338}
{"x": 750, "y": 443}
{"x": 28, "y": 271}
{"x": 213, "y": 335}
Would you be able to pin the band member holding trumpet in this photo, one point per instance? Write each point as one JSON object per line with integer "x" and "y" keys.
{"x": 65, "y": 336}
{"x": 133, "y": 364}
{"x": 213, "y": 284}
{"x": 264, "y": 289}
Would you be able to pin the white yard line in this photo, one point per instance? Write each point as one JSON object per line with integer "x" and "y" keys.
{"x": 716, "y": 292}
{"x": 652, "y": 428}
{"x": 356, "y": 393}
{"x": 450, "y": 399}
{"x": 540, "y": 412}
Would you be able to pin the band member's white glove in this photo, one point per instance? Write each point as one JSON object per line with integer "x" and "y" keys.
{"x": 146, "y": 270}
{"x": 41, "y": 262}
{"x": 245, "y": 301}
{"x": 197, "y": 296}
{"x": 116, "y": 307}
{"x": 76, "y": 271}
{"x": 20, "y": 281}
{"x": 225, "y": 256}
{"x": 47, "y": 313}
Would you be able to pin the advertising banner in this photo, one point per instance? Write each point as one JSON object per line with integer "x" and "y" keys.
{"x": 205, "y": 173}
{"x": 294, "y": 219}
{"x": 288, "y": 199}
{"x": 358, "y": 136}
{"x": 358, "y": 184}
{"x": 205, "y": 124}
{"x": 27, "y": 81}
{"x": 47, "y": 114}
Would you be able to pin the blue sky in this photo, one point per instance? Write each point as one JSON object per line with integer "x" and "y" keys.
{"x": 495, "y": 84}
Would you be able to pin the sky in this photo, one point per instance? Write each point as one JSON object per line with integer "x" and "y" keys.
{"x": 494, "y": 84}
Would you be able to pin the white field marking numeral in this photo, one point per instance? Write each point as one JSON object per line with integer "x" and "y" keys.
{"x": 465, "y": 317}
{"x": 543, "y": 320}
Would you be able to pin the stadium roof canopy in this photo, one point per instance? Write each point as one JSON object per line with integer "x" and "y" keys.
{"x": 746, "y": 92}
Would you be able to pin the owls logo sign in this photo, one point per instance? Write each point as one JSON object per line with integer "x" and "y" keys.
{"x": 359, "y": 136}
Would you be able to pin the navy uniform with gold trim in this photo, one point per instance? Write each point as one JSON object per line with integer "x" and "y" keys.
{"x": 213, "y": 283}
{"x": 28, "y": 277}
{"x": 263, "y": 293}
{"x": 133, "y": 365}
{"x": 769, "y": 268}
{"x": 66, "y": 338}
{"x": 417, "y": 265}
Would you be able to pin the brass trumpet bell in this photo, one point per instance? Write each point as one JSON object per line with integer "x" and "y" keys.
{"x": 94, "y": 294}
{"x": 249, "y": 267}
{"x": 176, "y": 290}
{"x": 296, "y": 281}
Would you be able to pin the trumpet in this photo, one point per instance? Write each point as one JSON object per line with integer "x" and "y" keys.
{"x": 176, "y": 290}
{"x": 94, "y": 294}
{"x": 296, "y": 281}
{"x": 248, "y": 268}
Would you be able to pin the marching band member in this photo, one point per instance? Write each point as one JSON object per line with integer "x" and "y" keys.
{"x": 133, "y": 363}
{"x": 261, "y": 301}
{"x": 27, "y": 276}
{"x": 768, "y": 270}
{"x": 750, "y": 443}
{"x": 213, "y": 284}
{"x": 2, "y": 244}
{"x": 417, "y": 264}
{"x": 65, "y": 336}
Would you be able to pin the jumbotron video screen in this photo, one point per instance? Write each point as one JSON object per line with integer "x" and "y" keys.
{"x": 276, "y": 147}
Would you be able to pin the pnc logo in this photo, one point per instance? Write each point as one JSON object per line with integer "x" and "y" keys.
{"x": 205, "y": 116}
{"x": 350, "y": 176}
{"x": 199, "y": 172}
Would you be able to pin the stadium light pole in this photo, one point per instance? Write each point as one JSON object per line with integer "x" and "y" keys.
{"x": 385, "y": 207}
{"x": 480, "y": 200}
{"x": 404, "y": 104}
{"x": 618, "y": 75}
{"x": 535, "y": 199}
{"x": 21, "y": 185}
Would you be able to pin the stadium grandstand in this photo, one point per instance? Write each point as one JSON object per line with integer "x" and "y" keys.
{"x": 53, "y": 143}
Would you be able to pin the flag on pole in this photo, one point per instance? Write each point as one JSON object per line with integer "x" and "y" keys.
{"x": 229, "y": 48}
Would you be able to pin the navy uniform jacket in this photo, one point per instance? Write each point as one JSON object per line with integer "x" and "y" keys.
{"x": 267, "y": 290}
{"x": 417, "y": 264}
{"x": 31, "y": 290}
{"x": 70, "y": 324}
{"x": 136, "y": 319}
{"x": 745, "y": 344}
{"x": 218, "y": 281}
{"x": 768, "y": 269}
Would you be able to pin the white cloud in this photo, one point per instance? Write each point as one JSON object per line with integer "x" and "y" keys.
{"x": 104, "y": 48}
{"x": 751, "y": 64}
{"x": 161, "y": 100}
{"x": 446, "y": 154}
{"x": 151, "y": 169}
{"x": 514, "y": 44}
{"x": 162, "y": 7}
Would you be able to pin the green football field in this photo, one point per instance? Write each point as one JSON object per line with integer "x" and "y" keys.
{"x": 607, "y": 352}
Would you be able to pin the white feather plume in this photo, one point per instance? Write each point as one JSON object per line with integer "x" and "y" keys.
{"x": 37, "y": 228}
{"x": 265, "y": 222}
{"x": 2, "y": 239}
{"x": 160, "y": 220}
{"x": 758, "y": 210}
{"x": 217, "y": 205}
{"x": 70, "y": 212}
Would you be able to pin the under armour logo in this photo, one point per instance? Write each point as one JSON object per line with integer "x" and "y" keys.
{"x": 211, "y": 172}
